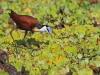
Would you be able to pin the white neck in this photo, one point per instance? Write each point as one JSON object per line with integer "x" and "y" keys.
{"x": 43, "y": 29}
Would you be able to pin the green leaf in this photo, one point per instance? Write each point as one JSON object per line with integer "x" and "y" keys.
{"x": 80, "y": 56}
{"x": 71, "y": 49}
{"x": 86, "y": 60}
{"x": 62, "y": 71}
{"x": 72, "y": 6}
{"x": 54, "y": 14}
{"x": 85, "y": 72}
{"x": 4, "y": 5}
{"x": 66, "y": 10}
{"x": 41, "y": 62}
{"x": 3, "y": 72}
{"x": 53, "y": 7}
{"x": 97, "y": 62}
{"x": 44, "y": 66}
{"x": 18, "y": 66}
{"x": 11, "y": 58}
{"x": 80, "y": 29}
{"x": 92, "y": 46}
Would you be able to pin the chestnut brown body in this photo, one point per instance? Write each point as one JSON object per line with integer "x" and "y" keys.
{"x": 24, "y": 22}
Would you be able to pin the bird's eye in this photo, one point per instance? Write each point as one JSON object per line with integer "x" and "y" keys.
{"x": 47, "y": 29}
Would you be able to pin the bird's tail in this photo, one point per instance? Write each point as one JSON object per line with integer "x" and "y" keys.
{"x": 12, "y": 14}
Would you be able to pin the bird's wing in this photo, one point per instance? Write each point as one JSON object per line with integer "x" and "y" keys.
{"x": 27, "y": 19}
{"x": 22, "y": 19}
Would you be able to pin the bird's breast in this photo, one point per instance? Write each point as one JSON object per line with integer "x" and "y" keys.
{"x": 35, "y": 29}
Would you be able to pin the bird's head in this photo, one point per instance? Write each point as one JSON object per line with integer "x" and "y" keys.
{"x": 47, "y": 29}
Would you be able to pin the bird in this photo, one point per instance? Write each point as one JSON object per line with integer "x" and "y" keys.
{"x": 27, "y": 23}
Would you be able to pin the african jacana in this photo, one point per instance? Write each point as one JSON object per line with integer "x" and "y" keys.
{"x": 27, "y": 23}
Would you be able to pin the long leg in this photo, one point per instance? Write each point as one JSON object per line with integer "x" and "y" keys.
{"x": 26, "y": 40}
{"x": 11, "y": 33}
{"x": 13, "y": 37}
{"x": 25, "y": 34}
